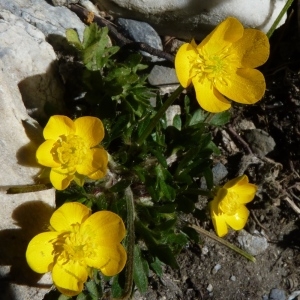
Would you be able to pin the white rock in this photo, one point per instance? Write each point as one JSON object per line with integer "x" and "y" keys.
{"x": 194, "y": 18}
{"x": 31, "y": 63}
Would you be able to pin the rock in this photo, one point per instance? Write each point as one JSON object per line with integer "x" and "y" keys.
{"x": 215, "y": 269}
{"x": 260, "y": 141}
{"x": 189, "y": 19}
{"x": 51, "y": 21}
{"x": 31, "y": 64}
{"x": 277, "y": 294}
{"x": 253, "y": 244}
{"x": 141, "y": 32}
{"x": 162, "y": 76}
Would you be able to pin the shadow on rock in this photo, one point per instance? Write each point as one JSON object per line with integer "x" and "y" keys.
{"x": 32, "y": 218}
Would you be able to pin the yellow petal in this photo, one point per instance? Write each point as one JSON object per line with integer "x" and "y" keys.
{"x": 104, "y": 227}
{"x": 246, "y": 86}
{"x": 59, "y": 179}
{"x": 253, "y": 48}
{"x": 90, "y": 129}
{"x": 208, "y": 97}
{"x": 239, "y": 220}
{"x": 218, "y": 220}
{"x": 245, "y": 190}
{"x": 39, "y": 253}
{"x": 184, "y": 60}
{"x": 115, "y": 259}
{"x": 68, "y": 214}
{"x": 69, "y": 277}
{"x": 95, "y": 164}
{"x": 44, "y": 156}
{"x": 57, "y": 126}
{"x": 226, "y": 33}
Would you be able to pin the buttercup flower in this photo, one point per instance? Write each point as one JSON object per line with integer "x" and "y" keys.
{"x": 77, "y": 242}
{"x": 71, "y": 151}
{"x": 223, "y": 64}
{"x": 227, "y": 207}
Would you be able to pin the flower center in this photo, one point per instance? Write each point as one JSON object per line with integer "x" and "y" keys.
{"x": 69, "y": 151}
{"x": 72, "y": 245}
{"x": 215, "y": 66}
{"x": 230, "y": 204}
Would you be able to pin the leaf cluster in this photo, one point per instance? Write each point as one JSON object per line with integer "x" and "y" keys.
{"x": 163, "y": 171}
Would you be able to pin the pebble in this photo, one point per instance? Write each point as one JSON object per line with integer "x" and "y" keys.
{"x": 260, "y": 141}
{"x": 161, "y": 75}
{"x": 216, "y": 268}
{"x": 141, "y": 32}
{"x": 277, "y": 294}
{"x": 209, "y": 288}
{"x": 233, "y": 278}
{"x": 253, "y": 244}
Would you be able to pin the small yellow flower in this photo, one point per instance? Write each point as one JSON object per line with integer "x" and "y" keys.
{"x": 227, "y": 207}
{"x": 223, "y": 64}
{"x": 77, "y": 242}
{"x": 71, "y": 151}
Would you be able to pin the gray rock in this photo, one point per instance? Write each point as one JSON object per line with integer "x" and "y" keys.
{"x": 162, "y": 76}
{"x": 277, "y": 294}
{"x": 52, "y": 21}
{"x": 141, "y": 32}
{"x": 253, "y": 244}
{"x": 260, "y": 141}
{"x": 193, "y": 18}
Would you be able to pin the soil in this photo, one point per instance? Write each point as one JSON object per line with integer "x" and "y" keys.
{"x": 210, "y": 270}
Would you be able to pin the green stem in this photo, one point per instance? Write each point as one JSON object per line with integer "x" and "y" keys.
{"x": 278, "y": 19}
{"x": 130, "y": 245}
{"x": 222, "y": 241}
{"x": 30, "y": 188}
{"x": 159, "y": 114}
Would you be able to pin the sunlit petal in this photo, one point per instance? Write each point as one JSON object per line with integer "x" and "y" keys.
{"x": 218, "y": 219}
{"x": 239, "y": 220}
{"x": 226, "y": 33}
{"x": 39, "y": 254}
{"x": 44, "y": 155}
{"x": 90, "y": 129}
{"x": 57, "y": 126}
{"x": 245, "y": 86}
{"x": 69, "y": 277}
{"x": 253, "y": 48}
{"x": 68, "y": 214}
{"x": 95, "y": 164}
{"x": 104, "y": 227}
{"x": 208, "y": 97}
{"x": 184, "y": 60}
{"x": 59, "y": 179}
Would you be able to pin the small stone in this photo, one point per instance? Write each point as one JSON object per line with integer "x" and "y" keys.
{"x": 209, "y": 288}
{"x": 253, "y": 244}
{"x": 161, "y": 75}
{"x": 260, "y": 141}
{"x": 233, "y": 278}
{"x": 277, "y": 294}
{"x": 141, "y": 32}
{"x": 204, "y": 250}
{"x": 216, "y": 268}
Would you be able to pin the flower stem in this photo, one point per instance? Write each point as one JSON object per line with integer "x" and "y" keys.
{"x": 276, "y": 22}
{"x": 159, "y": 114}
{"x": 222, "y": 241}
{"x": 130, "y": 245}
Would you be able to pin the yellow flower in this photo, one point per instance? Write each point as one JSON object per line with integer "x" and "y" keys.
{"x": 223, "y": 64}
{"x": 227, "y": 207}
{"x": 71, "y": 151}
{"x": 78, "y": 242}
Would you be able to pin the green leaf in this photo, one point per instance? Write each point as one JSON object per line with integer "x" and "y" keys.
{"x": 140, "y": 271}
{"x": 156, "y": 266}
{"x": 220, "y": 119}
{"x": 177, "y": 122}
{"x": 120, "y": 186}
{"x": 198, "y": 117}
{"x": 92, "y": 289}
{"x": 73, "y": 38}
